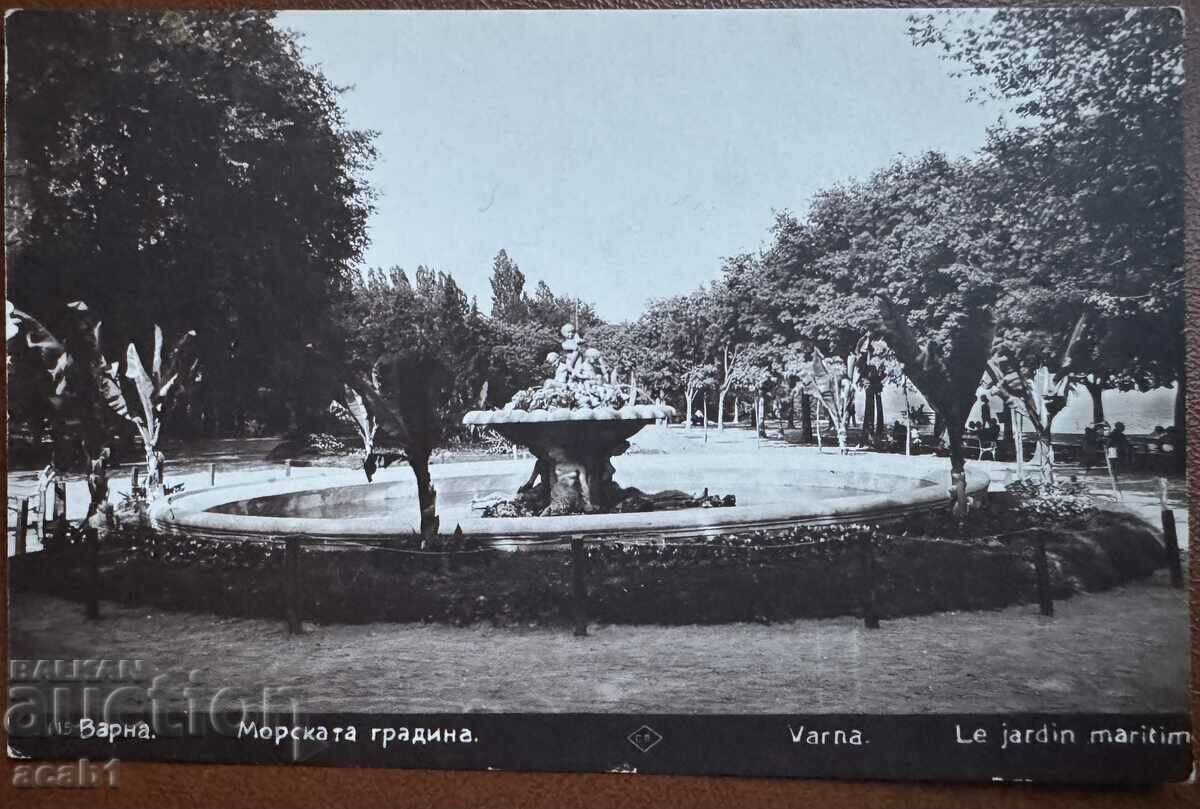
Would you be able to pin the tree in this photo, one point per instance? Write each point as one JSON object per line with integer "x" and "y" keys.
{"x": 509, "y": 302}
{"x": 351, "y": 409}
{"x": 413, "y": 395}
{"x": 697, "y": 379}
{"x": 552, "y": 311}
{"x": 916, "y": 254}
{"x": 1093, "y": 174}
{"x": 516, "y": 356}
{"x": 155, "y": 391}
{"x": 831, "y": 382}
{"x": 666, "y": 348}
{"x": 66, "y": 378}
{"x": 729, "y": 330}
{"x": 191, "y": 166}
{"x": 417, "y": 356}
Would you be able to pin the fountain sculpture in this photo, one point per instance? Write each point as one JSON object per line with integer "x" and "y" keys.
{"x": 573, "y": 425}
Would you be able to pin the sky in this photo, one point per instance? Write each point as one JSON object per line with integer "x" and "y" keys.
{"x": 619, "y": 156}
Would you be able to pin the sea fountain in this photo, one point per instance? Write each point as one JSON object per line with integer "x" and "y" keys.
{"x": 577, "y": 425}
{"x": 574, "y": 424}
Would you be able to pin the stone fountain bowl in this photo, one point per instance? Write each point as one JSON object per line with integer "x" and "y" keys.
{"x": 639, "y": 415}
{"x": 583, "y": 431}
{"x": 775, "y": 488}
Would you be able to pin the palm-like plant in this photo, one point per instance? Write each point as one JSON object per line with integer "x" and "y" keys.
{"x": 831, "y": 381}
{"x": 155, "y": 389}
{"x": 77, "y": 393}
{"x": 352, "y": 410}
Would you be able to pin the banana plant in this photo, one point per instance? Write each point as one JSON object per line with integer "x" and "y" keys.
{"x": 80, "y": 377}
{"x": 154, "y": 391}
{"x": 79, "y": 392}
{"x": 352, "y": 410}
{"x": 831, "y": 382}
{"x": 408, "y": 394}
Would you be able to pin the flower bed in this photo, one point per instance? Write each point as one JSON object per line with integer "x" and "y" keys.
{"x": 801, "y": 572}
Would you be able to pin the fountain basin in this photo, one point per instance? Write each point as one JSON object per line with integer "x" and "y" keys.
{"x": 775, "y": 488}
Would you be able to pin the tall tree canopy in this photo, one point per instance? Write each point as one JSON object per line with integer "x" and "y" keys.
{"x": 1093, "y": 174}
{"x": 187, "y": 169}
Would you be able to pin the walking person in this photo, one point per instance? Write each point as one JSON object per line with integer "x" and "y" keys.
{"x": 1117, "y": 447}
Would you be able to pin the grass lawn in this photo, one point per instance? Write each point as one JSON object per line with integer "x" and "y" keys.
{"x": 1121, "y": 650}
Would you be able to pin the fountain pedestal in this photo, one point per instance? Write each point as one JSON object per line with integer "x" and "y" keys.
{"x": 574, "y": 448}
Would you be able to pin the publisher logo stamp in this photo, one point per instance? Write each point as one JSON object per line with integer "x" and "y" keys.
{"x": 644, "y": 738}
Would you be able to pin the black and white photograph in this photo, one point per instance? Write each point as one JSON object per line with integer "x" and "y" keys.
{"x": 767, "y": 392}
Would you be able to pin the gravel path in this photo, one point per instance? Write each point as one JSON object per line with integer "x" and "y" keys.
{"x": 1123, "y": 650}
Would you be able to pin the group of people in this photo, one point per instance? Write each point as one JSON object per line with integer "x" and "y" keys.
{"x": 1104, "y": 444}
{"x": 987, "y": 433}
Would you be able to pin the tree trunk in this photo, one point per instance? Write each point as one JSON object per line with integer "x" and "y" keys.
{"x": 720, "y": 411}
{"x": 760, "y": 415}
{"x": 806, "y": 422}
{"x": 791, "y": 411}
{"x": 688, "y": 398}
{"x": 1046, "y": 447}
{"x": 1097, "y": 393}
{"x": 868, "y": 422}
{"x": 737, "y": 416}
{"x": 954, "y": 418}
{"x": 426, "y": 496}
{"x": 880, "y": 427}
{"x": 958, "y": 466}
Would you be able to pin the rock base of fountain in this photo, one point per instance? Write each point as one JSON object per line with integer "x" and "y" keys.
{"x": 628, "y": 501}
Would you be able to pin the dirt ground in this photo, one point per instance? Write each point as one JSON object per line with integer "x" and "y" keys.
{"x": 1122, "y": 650}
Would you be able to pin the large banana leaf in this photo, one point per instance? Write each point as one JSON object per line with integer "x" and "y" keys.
{"x": 352, "y": 408}
{"x": 39, "y": 338}
{"x": 156, "y": 358}
{"x": 174, "y": 369}
{"x": 135, "y": 371}
{"x": 104, "y": 377}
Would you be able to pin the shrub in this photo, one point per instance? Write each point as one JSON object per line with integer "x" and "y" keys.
{"x": 1053, "y": 503}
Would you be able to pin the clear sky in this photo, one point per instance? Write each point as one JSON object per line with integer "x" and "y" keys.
{"x": 618, "y": 156}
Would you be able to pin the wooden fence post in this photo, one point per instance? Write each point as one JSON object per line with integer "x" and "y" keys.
{"x": 867, "y": 563}
{"x": 59, "y": 512}
{"x": 212, "y": 475}
{"x": 92, "y": 573}
{"x": 22, "y": 526}
{"x": 1170, "y": 536}
{"x": 291, "y": 584}
{"x": 578, "y": 586}
{"x": 1042, "y": 567}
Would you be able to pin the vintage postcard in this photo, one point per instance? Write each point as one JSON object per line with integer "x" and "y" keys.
{"x": 761, "y": 392}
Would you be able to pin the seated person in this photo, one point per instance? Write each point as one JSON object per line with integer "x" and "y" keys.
{"x": 1171, "y": 447}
